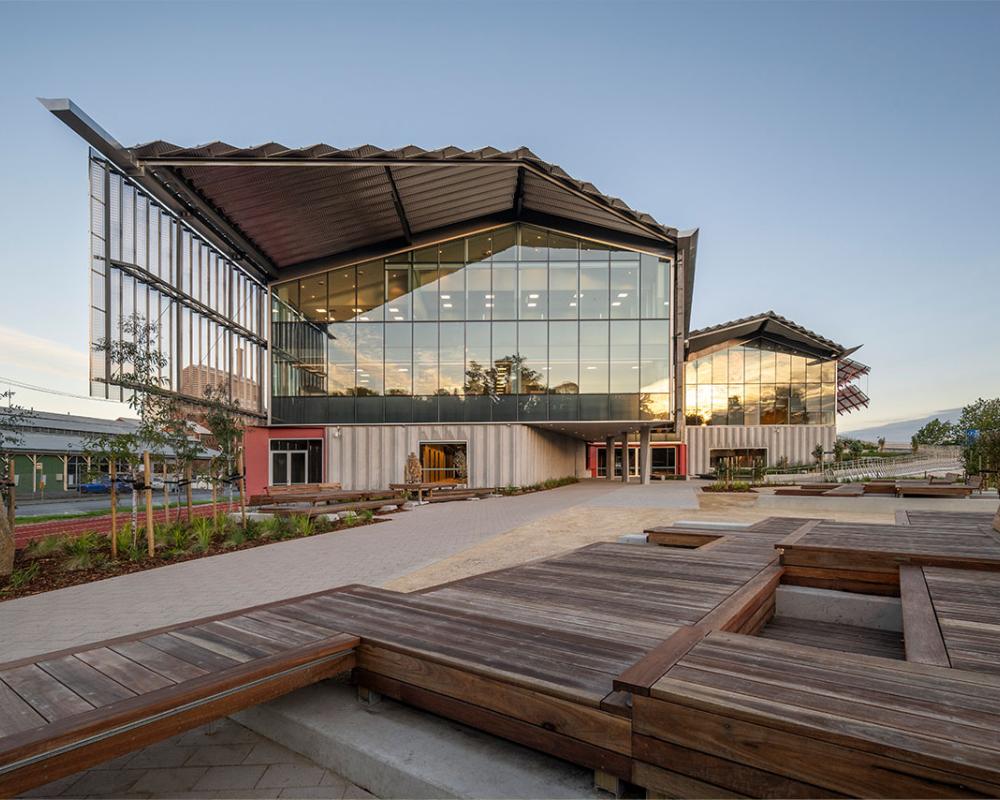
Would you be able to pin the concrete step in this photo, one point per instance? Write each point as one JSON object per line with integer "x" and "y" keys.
{"x": 395, "y": 751}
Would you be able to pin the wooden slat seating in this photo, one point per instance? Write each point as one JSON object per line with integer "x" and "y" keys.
{"x": 293, "y": 490}
{"x": 447, "y": 495}
{"x": 420, "y": 489}
{"x": 970, "y": 520}
{"x": 322, "y": 498}
{"x": 332, "y": 508}
{"x": 69, "y": 710}
{"x": 966, "y": 605}
{"x": 749, "y": 716}
{"x": 866, "y": 558}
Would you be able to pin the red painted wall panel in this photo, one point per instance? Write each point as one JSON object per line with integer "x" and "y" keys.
{"x": 257, "y": 450}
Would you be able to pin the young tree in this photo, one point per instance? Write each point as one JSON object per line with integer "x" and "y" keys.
{"x": 123, "y": 453}
{"x": 137, "y": 365}
{"x": 839, "y": 447}
{"x": 12, "y": 417}
{"x": 227, "y": 423}
{"x": 881, "y": 444}
{"x": 817, "y": 453}
{"x": 179, "y": 437}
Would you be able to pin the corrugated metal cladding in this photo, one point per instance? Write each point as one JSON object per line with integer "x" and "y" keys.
{"x": 373, "y": 456}
{"x": 794, "y": 442}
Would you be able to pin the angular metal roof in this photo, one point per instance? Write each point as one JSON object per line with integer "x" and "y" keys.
{"x": 758, "y": 324}
{"x": 301, "y": 204}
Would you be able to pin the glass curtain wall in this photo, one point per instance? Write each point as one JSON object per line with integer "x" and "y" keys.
{"x": 519, "y": 323}
{"x": 760, "y": 383}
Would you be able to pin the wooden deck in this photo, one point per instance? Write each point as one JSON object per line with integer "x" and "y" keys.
{"x": 65, "y": 711}
{"x": 660, "y": 665}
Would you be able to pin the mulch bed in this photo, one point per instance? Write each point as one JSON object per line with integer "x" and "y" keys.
{"x": 52, "y": 576}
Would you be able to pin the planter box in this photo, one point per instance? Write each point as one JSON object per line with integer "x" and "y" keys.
{"x": 717, "y": 501}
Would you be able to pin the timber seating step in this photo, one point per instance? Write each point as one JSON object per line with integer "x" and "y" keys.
{"x": 437, "y": 496}
{"x": 764, "y": 718}
{"x": 65, "y": 711}
{"x": 324, "y": 497}
{"x": 333, "y": 508}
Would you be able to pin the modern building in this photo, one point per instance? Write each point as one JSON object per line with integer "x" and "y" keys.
{"x": 483, "y": 309}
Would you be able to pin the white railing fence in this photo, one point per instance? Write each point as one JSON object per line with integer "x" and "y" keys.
{"x": 874, "y": 468}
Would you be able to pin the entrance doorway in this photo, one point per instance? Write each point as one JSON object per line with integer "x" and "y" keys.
{"x": 633, "y": 462}
{"x": 296, "y": 461}
{"x": 444, "y": 462}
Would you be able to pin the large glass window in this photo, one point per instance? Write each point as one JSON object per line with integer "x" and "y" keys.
{"x": 757, "y": 383}
{"x": 518, "y": 310}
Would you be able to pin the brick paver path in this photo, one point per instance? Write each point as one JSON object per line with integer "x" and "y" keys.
{"x": 372, "y": 554}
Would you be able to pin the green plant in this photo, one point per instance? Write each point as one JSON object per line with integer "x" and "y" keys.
{"x": 203, "y": 534}
{"x": 174, "y": 539}
{"x": 301, "y": 525}
{"x": 235, "y": 537}
{"x": 83, "y": 552}
{"x": 251, "y": 530}
{"x": 349, "y": 519}
{"x": 367, "y": 515}
{"x": 128, "y": 544}
{"x": 44, "y": 547}
{"x": 20, "y": 577}
{"x": 272, "y": 528}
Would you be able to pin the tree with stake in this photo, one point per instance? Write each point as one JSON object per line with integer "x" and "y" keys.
{"x": 227, "y": 423}
{"x": 11, "y": 419}
{"x": 121, "y": 451}
{"x": 137, "y": 365}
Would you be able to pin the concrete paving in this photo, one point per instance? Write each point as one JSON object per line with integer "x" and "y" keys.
{"x": 221, "y": 760}
{"x": 372, "y": 554}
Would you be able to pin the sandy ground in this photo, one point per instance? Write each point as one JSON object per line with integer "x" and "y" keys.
{"x": 585, "y": 524}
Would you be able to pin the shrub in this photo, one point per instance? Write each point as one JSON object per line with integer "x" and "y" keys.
{"x": 22, "y": 576}
{"x": 272, "y": 528}
{"x": 203, "y": 534}
{"x": 367, "y": 515}
{"x": 174, "y": 539}
{"x": 301, "y": 525}
{"x": 235, "y": 537}
{"x": 83, "y": 551}
{"x": 129, "y": 547}
{"x": 349, "y": 519}
{"x": 44, "y": 547}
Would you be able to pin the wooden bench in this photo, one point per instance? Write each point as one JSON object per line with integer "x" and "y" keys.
{"x": 333, "y": 508}
{"x": 754, "y": 717}
{"x": 66, "y": 711}
{"x": 321, "y": 498}
{"x": 439, "y": 496}
{"x": 428, "y": 486}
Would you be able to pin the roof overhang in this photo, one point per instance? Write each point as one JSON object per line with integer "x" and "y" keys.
{"x": 285, "y": 212}
{"x": 769, "y": 326}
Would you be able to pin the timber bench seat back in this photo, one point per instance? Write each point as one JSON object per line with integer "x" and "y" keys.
{"x": 66, "y": 711}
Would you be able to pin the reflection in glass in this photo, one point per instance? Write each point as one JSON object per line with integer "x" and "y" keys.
{"x": 624, "y": 366}
{"x": 533, "y": 290}
{"x": 340, "y": 358}
{"x": 452, "y": 358}
{"x": 624, "y": 290}
{"x": 532, "y": 351}
{"x": 399, "y": 358}
{"x": 563, "y": 363}
{"x": 425, "y": 358}
{"x": 516, "y": 310}
{"x": 371, "y": 292}
{"x": 370, "y": 365}
{"x": 593, "y": 357}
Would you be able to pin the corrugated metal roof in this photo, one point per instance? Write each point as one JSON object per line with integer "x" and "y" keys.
{"x": 283, "y": 201}
{"x": 45, "y": 432}
{"x": 760, "y": 322}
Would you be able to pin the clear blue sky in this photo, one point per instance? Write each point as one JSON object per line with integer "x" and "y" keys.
{"x": 840, "y": 159}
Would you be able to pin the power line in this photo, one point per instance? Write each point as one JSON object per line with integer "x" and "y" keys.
{"x": 32, "y": 387}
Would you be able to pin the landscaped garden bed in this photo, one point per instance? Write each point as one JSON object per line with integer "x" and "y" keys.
{"x": 55, "y": 562}
{"x": 741, "y": 487}
{"x": 551, "y": 483}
